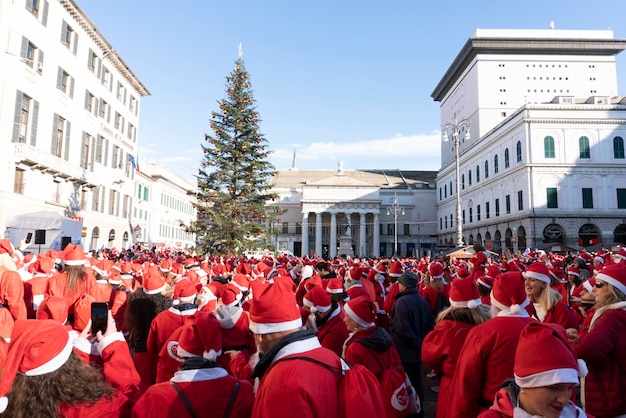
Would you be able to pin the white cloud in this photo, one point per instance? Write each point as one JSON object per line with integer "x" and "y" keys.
{"x": 410, "y": 152}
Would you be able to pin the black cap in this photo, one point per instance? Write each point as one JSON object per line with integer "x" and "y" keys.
{"x": 408, "y": 279}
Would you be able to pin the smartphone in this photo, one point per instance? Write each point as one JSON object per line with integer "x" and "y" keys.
{"x": 29, "y": 237}
{"x": 99, "y": 317}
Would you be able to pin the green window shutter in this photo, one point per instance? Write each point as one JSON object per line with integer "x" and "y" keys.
{"x": 53, "y": 145}
{"x": 24, "y": 50}
{"x": 35, "y": 120}
{"x": 68, "y": 127}
{"x": 44, "y": 15}
{"x": 18, "y": 115}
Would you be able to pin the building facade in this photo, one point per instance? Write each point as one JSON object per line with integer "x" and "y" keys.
{"x": 544, "y": 162}
{"x": 69, "y": 115}
{"x": 365, "y": 213}
{"x": 161, "y": 208}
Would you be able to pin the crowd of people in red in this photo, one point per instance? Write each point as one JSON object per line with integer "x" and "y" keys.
{"x": 516, "y": 335}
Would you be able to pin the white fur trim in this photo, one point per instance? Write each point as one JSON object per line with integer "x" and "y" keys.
{"x": 510, "y": 309}
{"x": 83, "y": 345}
{"x": 184, "y": 353}
{"x": 536, "y": 276}
{"x": 55, "y": 362}
{"x": 187, "y": 298}
{"x": 198, "y": 375}
{"x": 547, "y": 378}
{"x": 110, "y": 339}
{"x": 186, "y": 312}
{"x": 212, "y": 355}
{"x": 298, "y": 347}
{"x": 315, "y": 308}
{"x": 260, "y": 328}
{"x": 610, "y": 280}
{"x": 359, "y": 321}
{"x": 583, "y": 371}
{"x": 466, "y": 304}
{"x": 4, "y": 403}
{"x": 155, "y": 291}
{"x": 488, "y": 286}
{"x": 74, "y": 262}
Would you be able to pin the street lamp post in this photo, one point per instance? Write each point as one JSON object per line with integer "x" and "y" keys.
{"x": 395, "y": 209}
{"x": 455, "y": 126}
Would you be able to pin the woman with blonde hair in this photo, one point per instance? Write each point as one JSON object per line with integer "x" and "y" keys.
{"x": 547, "y": 304}
{"x": 442, "y": 346}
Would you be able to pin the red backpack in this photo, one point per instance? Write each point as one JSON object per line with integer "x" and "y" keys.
{"x": 359, "y": 390}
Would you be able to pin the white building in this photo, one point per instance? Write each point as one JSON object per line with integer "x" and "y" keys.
{"x": 545, "y": 161}
{"x": 162, "y": 208}
{"x": 69, "y": 114}
{"x": 352, "y": 212}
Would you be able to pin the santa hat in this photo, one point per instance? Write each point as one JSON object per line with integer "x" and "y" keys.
{"x": 544, "y": 357}
{"x": 380, "y": 268}
{"x": 486, "y": 281}
{"x": 481, "y": 259}
{"x": 590, "y": 286}
{"x": 191, "y": 263}
{"x": 241, "y": 281}
{"x": 37, "y": 347}
{"x": 509, "y": 293}
{"x": 73, "y": 255}
{"x": 464, "y": 294}
{"x": 153, "y": 283}
{"x": 207, "y": 298}
{"x": 201, "y": 338}
{"x": 230, "y": 295}
{"x": 55, "y": 308}
{"x": 166, "y": 265}
{"x": 573, "y": 270}
{"x": 335, "y": 286}
{"x": 274, "y": 307}
{"x": 538, "y": 271}
{"x": 615, "y": 275}
{"x": 435, "y": 270}
{"x": 185, "y": 291}
{"x": 361, "y": 310}
{"x": 6, "y": 247}
{"x": 355, "y": 273}
{"x": 307, "y": 271}
{"x": 621, "y": 253}
{"x": 317, "y": 300}
{"x": 395, "y": 269}
{"x": 599, "y": 257}
{"x": 462, "y": 273}
{"x": 41, "y": 267}
{"x": 557, "y": 274}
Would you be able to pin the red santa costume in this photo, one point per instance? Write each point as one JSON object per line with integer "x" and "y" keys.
{"x": 35, "y": 287}
{"x": 312, "y": 391}
{"x": 234, "y": 326}
{"x": 326, "y": 319}
{"x": 441, "y": 347}
{"x": 73, "y": 257}
{"x": 438, "y": 288}
{"x": 208, "y": 387}
{"x": 40, "y": 347}
{"x": 543, "y": 359}
{"x": 604, "y": 349}
{"x": 485, "y": 360}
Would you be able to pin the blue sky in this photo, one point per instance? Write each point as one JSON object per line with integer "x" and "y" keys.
{"x": 334, "y": 80}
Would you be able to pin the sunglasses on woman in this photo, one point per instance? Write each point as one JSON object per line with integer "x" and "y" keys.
{"x": 599, "y": 285}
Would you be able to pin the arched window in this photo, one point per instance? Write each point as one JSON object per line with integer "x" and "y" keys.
{"x": 463, "y": 181}
{"x": 440, "y": 194}
{"x": 486, "y": 169}
{"x": 450, "y": 188}
{"x": 618, "y": 147}
{"x": 496, "y": 168}
{"x": 548, "y": 147}
{"x": 477, "y": 173}
{"x": 583, "y": 147}
{"x": 519, "y": 151}
{"x": 445, "y": 190}
{"x": 469, "y": 177}
{"x": 506, "y": 158}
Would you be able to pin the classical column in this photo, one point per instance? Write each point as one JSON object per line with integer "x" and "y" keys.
{"x": 362, "y": 241}
{"x": 318, "y": 234}
{"x": 305, "y": 233}
{"x": 376, "y": 244}
{"x": 332, "y": 250}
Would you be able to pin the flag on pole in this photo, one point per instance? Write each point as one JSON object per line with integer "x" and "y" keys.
{"x": 131, "y": 161}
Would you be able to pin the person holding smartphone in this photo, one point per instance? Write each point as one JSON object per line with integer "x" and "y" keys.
{"x": 43, "y": 357}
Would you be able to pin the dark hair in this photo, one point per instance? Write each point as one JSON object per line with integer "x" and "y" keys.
{"x": 41, "y": 396}
{"x": 142, "y": 308}
{"x": 321, "y": 266}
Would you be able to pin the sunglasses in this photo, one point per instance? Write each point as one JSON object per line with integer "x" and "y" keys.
{"x": 599, "y": 285}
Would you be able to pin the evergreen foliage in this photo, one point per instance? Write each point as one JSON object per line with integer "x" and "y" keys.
{"x": 234, "y": 177}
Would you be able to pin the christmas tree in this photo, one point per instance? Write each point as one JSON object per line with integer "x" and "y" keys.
{"x": 233, "y": 180}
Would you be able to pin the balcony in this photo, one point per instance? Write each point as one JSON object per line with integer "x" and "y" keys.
{"x": 37, "y": 159}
